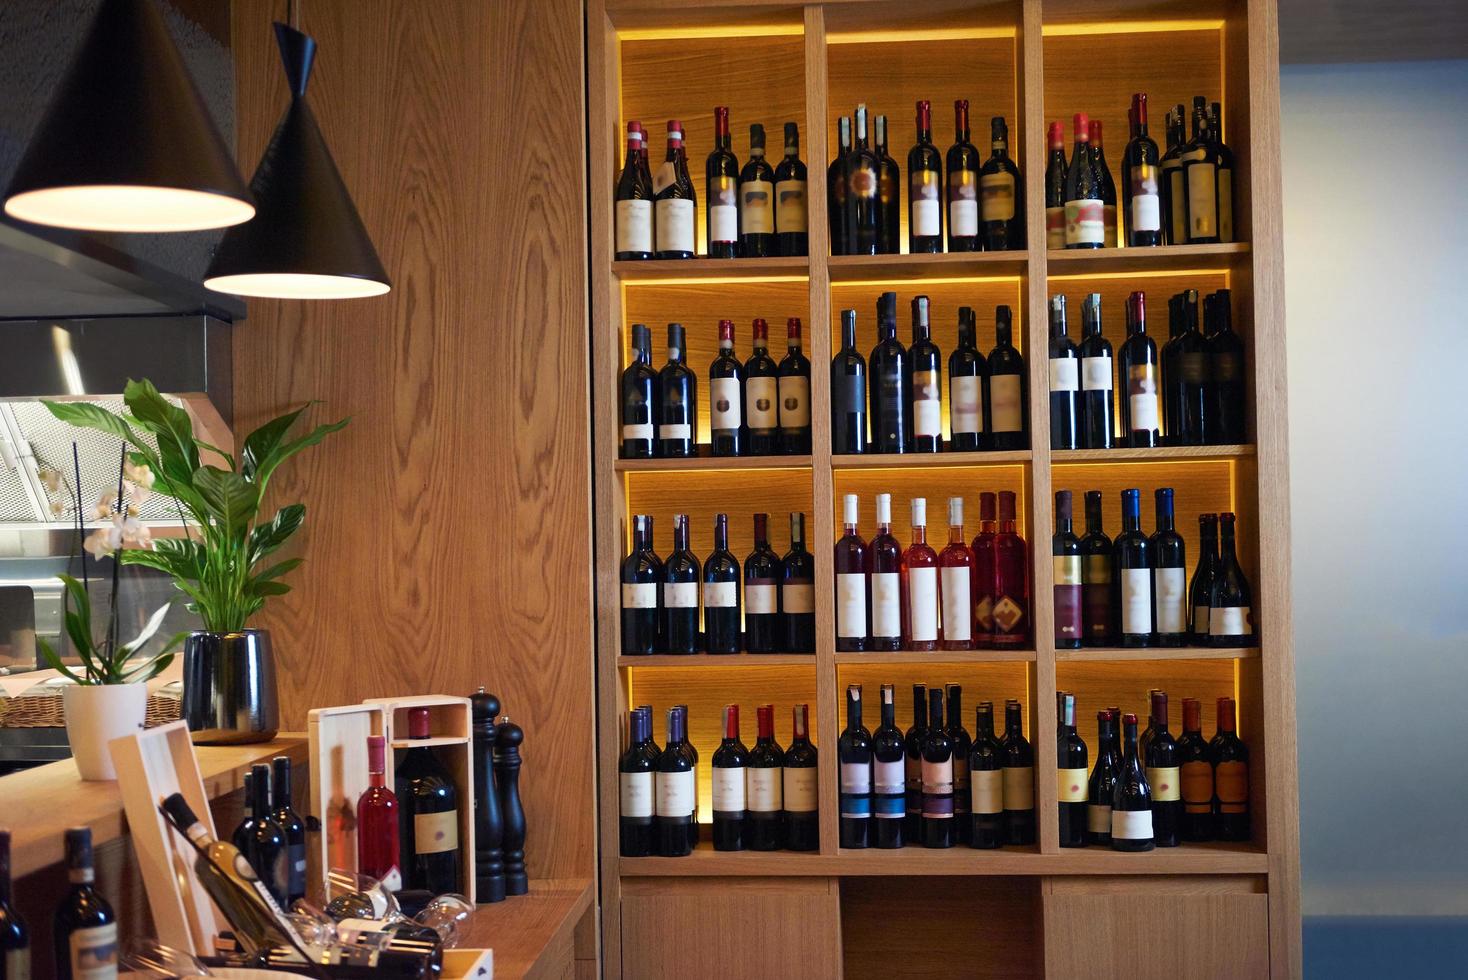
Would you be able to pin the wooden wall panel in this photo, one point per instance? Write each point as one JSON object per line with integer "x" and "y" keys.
{"x": 448, "y": 526}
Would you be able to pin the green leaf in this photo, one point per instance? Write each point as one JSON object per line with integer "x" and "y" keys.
{"x": 153, "y": 668}
{"x": 82, "y": 614}
{"x": 277, "y": 570}
{"x": 176, "y": 565}
{"x": 155, "y": 622}
{"x": 261, "y": 444}
{"x": 266, "y": 538}
{"x": 228, "y": 498}
{"x": 285, "y": 452}
{"x": 85, "y": 415}
{"x": 269, "y": 588}
{"x": 54, "y": 662}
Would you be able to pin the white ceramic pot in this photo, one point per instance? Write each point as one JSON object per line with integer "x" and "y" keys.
{"x": 95, "y": 715}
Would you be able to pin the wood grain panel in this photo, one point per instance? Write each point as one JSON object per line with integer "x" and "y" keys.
{"x": 981, "y": 682}
{"x": 1125, "y": 684}
{"x": 469, "y": 414}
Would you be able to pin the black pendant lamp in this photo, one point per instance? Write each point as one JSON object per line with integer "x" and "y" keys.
{"x": 127, "y": 143}
{"x": 306, "y": 240}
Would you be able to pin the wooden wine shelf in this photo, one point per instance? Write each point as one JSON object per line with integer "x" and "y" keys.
{"x": 957, "y": 265}
{"x": 1161, "y": 258}
{"x": 679, "y": 271}
{"x": 694, "y": 661}
{"x": 878, "y": 657}
{"x": 1108, "y": 654}
{"x": 704, "y": 464}
{"x": 1124, "y": 454}
{"x": 882, "y": 461}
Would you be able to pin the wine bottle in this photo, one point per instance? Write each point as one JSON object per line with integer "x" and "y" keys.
{"x": 1195, "y": 775}
{"x": 968, "y": 373}
{"x": 641, "y": 573}
{"x": 863, "y": 204}
{"x": 1085, "y": 211}
{"x": 937, "y": 769}
{"x": 1174, "y": 199}
{"x": 726, "y": 397}
{"x": 1132, "y": 564}
{"x": 1007, "y": 386}
{"x": 676, "y": 203}
{"x": 1140, "y": 414}
{"x": 1097, "y": 623}
{"x": 764, "y": 782}
{"x": 1131, "y": 800}
{"x": 291, "y": 825}
{"x": 855, "y": 752}
{"x": 1055, "y": 172}
{"x": 851, "y": 583}
{"x": 802, "y": 817}
{"x": 925, "y": 188}
{"x": 1072, "y": 783}
{"x": 690, "y": 751}
{"x": 1065, "y": 382}
{"x": 261, "y": 839}
{"x": 848, "y": 393}
{"x": 730, "y": 760}
{"x": 888, "y": 776}
{"x": 798, "y": 592}
{"x": 762, "y": 592}
{"x": 1185, "y": 375}
{"x": 884, "y": 568}
{"x": 721, "y": 189}
{"x": 1141, "y": 200}
{"x": 757, "y": 200}
{"x": 1164, "y": 777}
{"x": 791, "y": 235}
{"x": 986, "y": 782}
{"x": 379, "y": 848}
{"x": 1018, "y": 759}
{"x": 1097, "y": 402}
{"x": 639, "y": 398}
{"x": 681, "y": 576}
{"x": 634, "y": 196}
{"x": 15, "y": 938}
{"x": 1226, "y": 416}
{"x": 889, "y": 194}
{"x": 761, "y": 395}
{"x": 1200, "y": 592}
{"x": 1151, "y": 729}
{"x": 676, "y": 787}
{"x": 925, "y": 382}
{"x": 1200, "y": 179}
{"x": 836, "y": 188}
{"x": 1230, "y": 758}
{"x": 677, "y": 400}
{"x": 85, "y": 927}
{"x": 1230, "y": 623}
{"x": 963, "y": 186}
{"x": 1108, "y": 186}
{"x": 1102, "y": 787}
{"x": 1001, "y": 195}
{"x": 955, "y": 587}
{"x": 919, "y": 581}
{"x": 985, "y": 572}
{"x": 428, "y": 814}
{"x": 891, "y": 391}
{"x": 962, "y": 746}
{"x": 635, "y": 778}
{"x": 1065, "y": 550}
{"x": 1011, "y": 579}
{"x": 912, "y": 742}
{"x": 721, "y": 601}
{"x": 793, "y": 394}
{"x": 1225, "y": 174}
{"x": 1169, "y": 575}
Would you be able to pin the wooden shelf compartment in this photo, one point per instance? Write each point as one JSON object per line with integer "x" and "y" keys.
{"x": 995, "y": 681}
{"x": 739, "y": 493}
{"x": 713, "y": 661}
{"x": 1162, "y": 258}
{"x": 1125, "y": 683}
{"x": 945, "y": 296}
{"x": 1124, "y": 454}
{"x": 1149, "y": 654}
{"x": 684, "y": 272}
{"x": 985, "y": 656}
{"x": 916, "y": 268}
{"x": 934, "y": 482}
{"x": 895, "y": 461}
{"x": 706, "y": 463}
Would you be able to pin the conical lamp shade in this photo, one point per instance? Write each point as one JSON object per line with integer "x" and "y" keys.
{"x": 127, "y": 143}
{"x": 307, "y": 240}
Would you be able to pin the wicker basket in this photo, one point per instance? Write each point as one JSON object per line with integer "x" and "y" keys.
{"x": 46, "y": 711}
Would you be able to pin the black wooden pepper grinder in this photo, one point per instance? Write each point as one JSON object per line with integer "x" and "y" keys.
{"x": 507, "y": 741}
{"x": 489, "y": 826}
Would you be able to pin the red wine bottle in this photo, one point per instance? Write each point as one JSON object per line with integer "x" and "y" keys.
{"x": 1141, "y": 198}
{"x": 1018, "y": 759}
{"x": 1230, "y": 619}
{"x": 677, "y": 400}
{"x": 1097, "y": 622}
{"x": 962, "y": 746}
{"x": 884, "y": 570}
{"x": 1174, "y": 200}
{"x": 912, "y": 744}
{"x": 1001, "y": 193}
{"x": 985, "y": 570}
{"x": 1184, "y": 375}
{"x": 963, "y": 186}
{"x": 726, "y": 397}
{"x": 1200, "y": 179}
{"x": 1065, "y": 549}
{"x": 919, "y": 581}
{"x": 1071, "y": 780}
{"x": 641, "y": 573}
{"x": 1169, "y": 575}
{"x": 925, "y": 188}
{"x": 676, "y": 787}
{"x": 1141, "y": 416}
{"x": 1200, "y": 591}
{"x": 639, "y": 398}
{"x": 764, "y": 783}
{"x": 1230, "y": 758}
{"x": 889, "y": 194}
{"x": 891, "y": 389}
{"x": 1151, "y": 729}
{"x": 855, "y": 752}
{"x": 1132, "y": 565}
{"x": 1055, "y": 171}
{"x": 1065, "y": 381}
{"x": 1196, "y": 775}
{"x": 863, "y": 220}
{"x": 793, "y": 394}
{"x": 681, "y": 576}
{"x": 260, "y": 839}
{"x": 85, "y": 927}
{"x": 848, "y": 393}
{"x": 721, "y": 189}
{"x": 836, "y": 188}
{"x": 986, "y": 782}
{"x": 757, "y": 200}
{"x": 1102, "y": 787}
{"x": 797, "y": 592}
{"x": 1225, "y": 174}
{"x": 15, "y": 938}
{"x": 428, "y": 814}
{"x": 761, "y": 395}
{"x": 968, "y": 376}
{"x": 852, "y": 599}
{"x": 937, "y": 769}
{"x": 379, "y": 853}
{"x": 888, "y": 776}
{"x": 1011, "y": 579}
{"x": 690, "y": 751}
{"x": 1164, "y": 776}
{"x": 791, "y": 220}
{"x": 955, "y": 587}
{"x": 1008, "y": 384}
{"x": 721, "y": 599}
{"x": 802, "y": 817}
{"x": 1085, "y": 210}
{"x": 1131, "y": 799}
{"x": 1227, "y": 419}
{"x": 283, "y": 813}
{"x": 676, "y": 203}
{"x": 925, "y": 382}
{"x": 729, "y": 762}
{"x": 635, "y": 778}
{"x": 1097, "y": 402}
{"x": 634, "y": 196}
{"x": 1108, "y": 186}
{"x": 762, "y": 592}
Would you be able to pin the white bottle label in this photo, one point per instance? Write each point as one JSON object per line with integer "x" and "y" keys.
{"x": 1136, "y": 600}
{"x": 680, "y": 595}
{"x": 677, "y": 793}
{"x": 1144, "y": 411}
{"x": 963, "y": 218}
{"x": 1146, "y": 212}
{"x": 1200, "y": 619}
{"x": 729, "y": 789}
{"x": 856, "y": 777}
{"x": 790, "y": 209}
{"x": 763, "y": 406}
{"x": 927, "y": 219}
{"x": 637, "y": 793}
{"x": 1005, "y": 403}
{"x": 889, "y": 778}
{"x": 1019, "y": 788}
{"x": 957, "y": 605}
{"x": 639, "y": 595}
{"x": 851, "y": 604}
{"x": 1085, "y": 222}
{"x": 723, "y": 223}
{"x": 720, "y": 595}
{"x": 762, "y": 787}
{"x": 1098, "y": 818}
{"x": 798, "y": 597}
{"x": 634, "y": 226}
{"x": 93, "y": 953}
{"x": 725, "y": 411}
{"x": 1172, "y": 605}
{"x": 1229, "y": 621}
{"x": 986, "y": 791}
{"x": 966, "y": 411}
{"x": 800, "y": 790}
{"x": 761, "y": 600}
{"x": 927, "y": 404}
{"x": 1096, "y": 373}
{"x": 675, "y": 225}
{"x": 996, "y": 192}
{"x": 886, "y": 605}
{"x": 1065, "y": 374}
{"x": 675, "y": 430}
{"x": 937, "y": 776}
{"x": 794, "y": 402}
{"x": 759, "y": 207}
{"x": 637, "y": 430}
{"x": 922, "y": 603}
{"x": 1071, "y": 785}
{"x": 1131, "y": 824}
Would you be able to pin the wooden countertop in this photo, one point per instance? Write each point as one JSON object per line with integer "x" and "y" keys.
{"x": 522, "y": 929}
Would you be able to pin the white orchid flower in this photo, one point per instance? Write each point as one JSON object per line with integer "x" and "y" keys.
{"x": 50, "y": 479}
{"x": 99, "y": 543}
{"x": 140, "y": 475}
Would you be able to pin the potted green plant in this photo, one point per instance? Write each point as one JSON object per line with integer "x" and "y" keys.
{"x": 224, "y": 562}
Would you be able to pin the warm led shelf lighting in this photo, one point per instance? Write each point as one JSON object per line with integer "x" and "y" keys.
{"x": 1130, "y": 27}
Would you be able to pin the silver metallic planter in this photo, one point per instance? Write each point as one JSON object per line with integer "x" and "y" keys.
{"x": 229, "y": 695}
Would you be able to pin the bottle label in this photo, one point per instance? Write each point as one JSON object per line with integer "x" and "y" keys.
{"x": 1131, "y": 824}
{"x": 1019, "y": 788}
{"x": 1201, "y": 179}
{"x": 1229, "y": 621}
{"x": 758, "y": 198}
{"x": 639, "y": 595}
{"x": 761, "y": 599}
{"x": 1146, "y": 213}
{"x": 1096, "y": 598}
{"x": 1008, "y": 614}
{"x": 800, "y": 789}
{"x": 1178, "y": 204}
{"x": 1172, "y": 599}
{"x": 1232, "y": 780}
{"x": 926, "y": 214}
{"x": 434, "y": 833}
{"x": 1098, "y": 818}
{"x": 1096, "y": 373}
{"x": 1005, "y": 403}
{"x": 790, "y": 211}
{"x": 1065, "y": 374}
{"x": 675, "y": 225}
{"x": 886, "y": 605}
{"x": 798, "y": 597}
{"x": 986, "y": 791}
{"x": 794, "y": 394}
{"x": 1142, "y": 393}
{"x": 849, "y": 397}
{"x": 1136, "y": 600}
{"x": 636, "y": 431}
{"x": 17, "y": 963}
{"x": 721, "y": 595}
{"x": 1068, "y": 622}
{"x": 723, "y": 197}
{"x": 675, "y": 430}
{"x": 763, "y": 407}
{"x": 634, "y": 226}
{"x": 680, "y": 595}
{"x": 762, "y": 786}
{"x": 1096, "y": 570}
{"x": 922, "y": 603}
{"x": 938, "y": 789}
{"x": 664, "y": 177}
{"x": 677, "y": 792}
{"x": 851, "y": 604}
{"x": 1072, "y": 785}
{"x": 729, "y": 789}
{"x": 888, "y": 784}
{"x": 927, "y": 404}
{"x": 1067, "y": 569}
{"x": 93, "y": 952}
{"x": 726, "y": 412}
{"x": 1193, "y": 368}
{"x": 1200, "y": 620}
{"x": 963, "y": 204}
{"x": 997, "y": 195}
{"x": 1226, "y": 367}
{"x": 957, "y": 604}
{"x": 960, "y": 780}
{"x": 984, "y": 613}
{"x": 1085, "y": 222}
{"x": 856, "y": 780}
{"x": 1225, "y": 204}
{"x": 637, "y": 794}
{"x": 1055, "y": 227}
{"x": 1197, "y": 787}
{"x": 1166, "y": 784}
{"x": 966, "y": 408}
